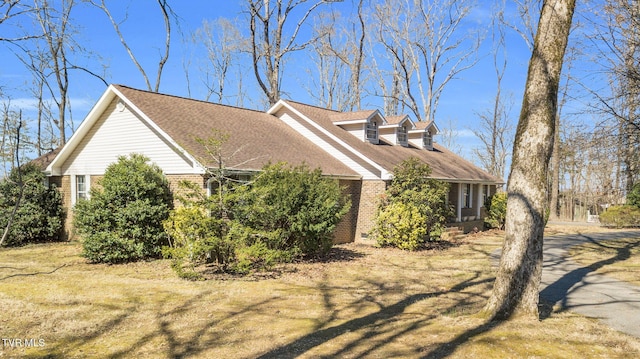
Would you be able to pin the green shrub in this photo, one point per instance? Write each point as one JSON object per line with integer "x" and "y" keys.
{"x": 196, "y": 238}
{"x": 295, "y": 209}
{"x": 496, "y": 206}
{"x": 633, "y": 197}
{"x": 285, "y": 213}
{"x": 412, "y": 193}
{"x": 400, "y": 225}
{"x": 621, "y": 216}
{"x": 40, "y": 215}
{"x": 122, "y": 220}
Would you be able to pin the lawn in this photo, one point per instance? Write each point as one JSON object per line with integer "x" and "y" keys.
{"x": 362, "y": 302}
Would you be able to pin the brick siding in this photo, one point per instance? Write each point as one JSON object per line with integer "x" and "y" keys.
{"x": 370, "y": 193}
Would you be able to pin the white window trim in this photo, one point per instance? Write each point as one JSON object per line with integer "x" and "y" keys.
{"x": 469, "y": 196}
{"x": 403, "y": 135}
{"x": 427, "y": 140}
{"x": 74, "y": 188}
{"x": 373, "y": 127}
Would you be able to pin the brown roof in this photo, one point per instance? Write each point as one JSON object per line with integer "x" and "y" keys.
{"x": 394, "y": 120}
{"x": 44, "y": 160}
{"x": 444, "y": 163}
{"x": 350, "y": 116}
{"x": 255, "y": 138}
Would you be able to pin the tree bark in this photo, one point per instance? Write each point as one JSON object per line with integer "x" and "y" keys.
{"x": 516, "y": 289}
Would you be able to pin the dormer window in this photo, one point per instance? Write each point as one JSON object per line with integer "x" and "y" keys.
{"x": 402, "y": 135}
{"x": 427, "y": 140}
{"x": 372, "y": 131}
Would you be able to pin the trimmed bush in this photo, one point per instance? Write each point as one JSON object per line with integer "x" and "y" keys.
{"x": 496, "y": 206}
{"x": 122, "y": 220}
{"x": 621, "y": 216}
{"x": 40, "y": 215}
{"x": 411, "y": 194}
{"x": 401, "y": 225}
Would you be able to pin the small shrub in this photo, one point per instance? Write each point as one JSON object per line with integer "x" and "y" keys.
{"x": 196, "y": 238}
{"x": 621, "y": 216}
{"x": 40, "y": 215}
{"x": 126, "y": 210}
{"x": 400, "y": 225}
{"x": 411, "y": 194}
{"x": 496, "y": 206}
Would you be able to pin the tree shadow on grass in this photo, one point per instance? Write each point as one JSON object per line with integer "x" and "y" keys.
{"x": 29, "y": 274}
{"x": 378, "y": 327}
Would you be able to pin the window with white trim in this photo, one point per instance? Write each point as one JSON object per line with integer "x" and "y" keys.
{"x": 427, "y": 140}
{"x": 402, "y": 135}
{"x": 467, "y": 195}
{"x": 372, "y": 131}
{"x": 82, "y": 187}
{"x": 485, "y": 194}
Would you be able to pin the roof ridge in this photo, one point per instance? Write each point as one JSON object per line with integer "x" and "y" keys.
{"x": 188, "y": 98}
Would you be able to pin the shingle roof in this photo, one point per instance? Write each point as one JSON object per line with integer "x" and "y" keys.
{"x": 444, "y": 163}
{"x": 350, "y": 116}
{"x": 44, "y": 160}
{"x": 255, "y": 138}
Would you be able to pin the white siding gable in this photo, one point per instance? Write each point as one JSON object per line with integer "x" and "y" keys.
{"x": 120, "y": 132}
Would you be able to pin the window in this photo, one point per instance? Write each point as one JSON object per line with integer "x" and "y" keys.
{"x": 81, "y": 187}
{"x": 485, "y": 194}
{"x": 402, "y": 135}
{"x": 466, "y": 195}
{"x": 372, "y": 131}
{"x": 427, "y": 140}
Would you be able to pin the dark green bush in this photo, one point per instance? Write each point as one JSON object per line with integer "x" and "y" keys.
{"x": 633, "y": 197}
{"x": 40, "y": 216}
{"x": 496, "y": 206}
{"x": 621, "y": 217}
{"x": 296, "y": 209}
{"x": 122, "y": 220}
{"x": 411, "y": 194}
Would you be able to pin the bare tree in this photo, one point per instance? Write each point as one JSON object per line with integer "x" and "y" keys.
{"x": 616, "y": 47}
{"x": 430, "y": 47}
{"x": 494, "y": 128}
{"x": 56, "y": 31}
{"x": 270, "y": 44}
{"x": 20, "y": 184}
{"x": 339, "y": 55}
{"x": 167, "y": 12}
{"x": 516, "y": 289}
{"x": 223, "y": 44}
{"x": 14, "y": 10}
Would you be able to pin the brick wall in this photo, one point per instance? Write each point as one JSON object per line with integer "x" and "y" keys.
{"x": 346, "y": 230}
{"x": 174, "y": 181}
{"x": 370, "y": 193}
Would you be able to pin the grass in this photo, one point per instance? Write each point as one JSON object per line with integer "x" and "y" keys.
{"x": 363, "y": 302}
{"x": 619, "y": 258}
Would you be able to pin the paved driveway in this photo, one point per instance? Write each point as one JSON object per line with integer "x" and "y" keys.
{"x": 577, "y": 288}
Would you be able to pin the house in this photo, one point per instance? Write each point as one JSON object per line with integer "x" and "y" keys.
{"x": 360, "y": 149}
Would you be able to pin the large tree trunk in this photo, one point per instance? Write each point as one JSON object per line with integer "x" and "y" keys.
{"x": 516, "y": 289}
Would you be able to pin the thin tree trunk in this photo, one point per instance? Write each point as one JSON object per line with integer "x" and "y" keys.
{"x": 7, "y": 228}
{"x": 516, "y": 289}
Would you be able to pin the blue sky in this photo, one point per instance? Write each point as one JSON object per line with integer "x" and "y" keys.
{"x": 471, "y": 93}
